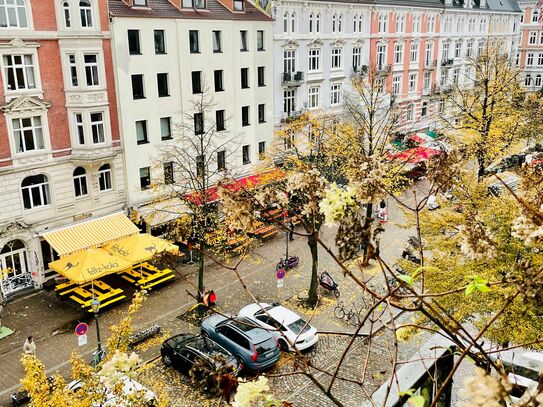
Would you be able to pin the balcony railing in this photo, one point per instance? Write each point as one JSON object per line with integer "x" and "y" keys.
{"x": 360, "y": 69}
{"x": 447, "y": 62}
{"x": 293, "y": 78}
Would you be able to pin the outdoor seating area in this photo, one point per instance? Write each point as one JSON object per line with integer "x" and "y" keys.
{"x": 264, "y": 231}
{"x": 146, "y": 276}
{"x": 83, "y": 294}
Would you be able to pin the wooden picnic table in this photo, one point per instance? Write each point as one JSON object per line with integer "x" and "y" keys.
{"x": 264, "y": 231}
{"x": 146, "y": 275}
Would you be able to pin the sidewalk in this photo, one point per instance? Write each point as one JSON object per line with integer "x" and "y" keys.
{"x": 51, "y": 321}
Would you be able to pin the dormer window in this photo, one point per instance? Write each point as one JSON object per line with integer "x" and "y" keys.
{"x": 238, "y": 5}
{"x": 140, "y": 3}
{"x": 199, "y": 4}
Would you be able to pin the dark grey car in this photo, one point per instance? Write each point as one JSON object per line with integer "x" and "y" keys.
{"x": 252, "y": 346}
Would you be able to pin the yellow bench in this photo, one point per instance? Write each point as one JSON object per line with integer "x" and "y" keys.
{"x": 156, "y": 282}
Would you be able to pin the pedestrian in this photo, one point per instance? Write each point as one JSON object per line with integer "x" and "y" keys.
{"x": 383, "y": 214}
{"x": 29, "y": 346}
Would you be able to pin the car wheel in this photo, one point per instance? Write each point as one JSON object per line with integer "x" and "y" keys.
{"x": 283, "y": 345}
{"x": 167, "y": 359}
{"x": 204, "y": 333}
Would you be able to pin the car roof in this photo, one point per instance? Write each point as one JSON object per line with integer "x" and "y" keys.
{"x": 248, "y": 328}
{"x": 276, "y": 311}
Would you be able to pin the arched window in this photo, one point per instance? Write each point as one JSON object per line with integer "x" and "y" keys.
{"x": 534, "y": 16}
{"x": 104, "y": 178}
{"x": 538, "y": 81}
{"x": 383, "y": 19}
{"x": 80, "y": 182}
{"x": 416, "y": 23}
{"x": 13, "y": 13}
{"x": 311, "y": 23}
{"x": 66, "y": 13}
{"x": 318, "y": 23}
{"x": 13, "y": 258}
{"x": 355, "y": 23}
{"x": 85, "y": 10}
{"x": 400, "y": 23}
{"x": 334, "y": 23}
{"x": 339, "y": 21}
{"x": 285, "y": 23}
{"x": 35, "y": 191}
{"x": 293, "y": 22}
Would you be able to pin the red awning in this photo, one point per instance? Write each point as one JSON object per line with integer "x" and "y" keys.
{"x": 250, "y": 182}
{"x": 416, "y": 155}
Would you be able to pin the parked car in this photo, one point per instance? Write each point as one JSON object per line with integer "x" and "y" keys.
{"x": 129, "y": 387}
{"x": 282, "y": 322}
{"x": 253, "y": 347}
{"x": 183, "y": 350}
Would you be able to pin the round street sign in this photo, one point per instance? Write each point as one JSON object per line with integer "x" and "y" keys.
{"x": 280, "y": 274}
{"x": 81, "y": 329}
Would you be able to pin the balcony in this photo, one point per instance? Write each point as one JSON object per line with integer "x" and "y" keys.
{"x": 441, "y": 89}
{"x": 447, "y": 62}
{"x": 428, "y": 65}
{"x": 292, "y": 78}
{"x": 360, "y": 70}
{"x": 383, "y": 68}
{"x": 289, "y": 117}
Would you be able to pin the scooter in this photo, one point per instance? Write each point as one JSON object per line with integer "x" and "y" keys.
{"x": 291, "y": 262}
{"x": 326, "y": 281}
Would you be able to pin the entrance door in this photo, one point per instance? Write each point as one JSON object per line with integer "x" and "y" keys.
{"x": 15, "y": 274}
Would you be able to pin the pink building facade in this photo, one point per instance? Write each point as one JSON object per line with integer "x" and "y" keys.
{"x": 529, "y": 57}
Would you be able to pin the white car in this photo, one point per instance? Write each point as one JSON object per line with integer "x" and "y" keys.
{"x": 282, "y": 322}
{"x": 129, "y": 387}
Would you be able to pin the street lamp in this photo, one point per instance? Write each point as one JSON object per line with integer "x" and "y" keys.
{"x": 98, "y": 356}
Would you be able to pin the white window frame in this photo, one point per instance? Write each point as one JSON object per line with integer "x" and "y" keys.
{"x": 537, "y": 81}
{"x": 335, "y": 94}
{"x": 539, "y": 59}
{"x": 381, "y": 56}
{"x": 427, "y": 80}
{"x": 44, "y": 192}
{"x": 400, "y": 23}
{"x": 396, "y": 84}
{"x": 86, "y": 124}
{"x": 314, "y": 60}
{"x": 445, "y": 50}
{"x": 36, "y": 88}
{"x": 289, "y": 61}
{"x": 414, "y": 53}
{"x": 107, "y": 175}
{"x": 413, "y": 79}
{"x": 382, "y": 23}
{"x": 17, "y": 8}
{"x": 530, "y": 58}
{"x": 66, "y": 14}
{"x": 357, "y": 57}
{"x": 33, "y": 127}
{"x": 88, "y": 15}
{"x": 94, "y": 69}
{"x": 410, "y": 112}
{"x": 337, "y": 58}
{"x": 416, "y": 24}
{"x": 429, "y": 54}
{"x": 99, "y": 124}
{"x": 81, "y": 180}
{"x": 532, "y": 37}
{"x": 289, "y": 98}
{"x": 398, "y": 53}
{"x": 313, "y": 96}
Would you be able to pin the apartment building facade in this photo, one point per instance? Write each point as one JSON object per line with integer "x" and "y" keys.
{"x": 169, "y": 56}
{"x": 60, "y": 155}
{"x": 529, "y": 57}
{"x": 422, "y": 45}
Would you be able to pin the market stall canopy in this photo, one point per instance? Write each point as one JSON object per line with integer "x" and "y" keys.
{"x": 416, "y": 155}
{"x": 88, "y": 265}
{"x": 90, "y": 234}
{"x": 140, "y": 247}
{"x": 163, "y": 211}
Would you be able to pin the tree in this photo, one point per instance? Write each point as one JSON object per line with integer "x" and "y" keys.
{"x": 486, "y": 110}
{"x": 193, "y": 163}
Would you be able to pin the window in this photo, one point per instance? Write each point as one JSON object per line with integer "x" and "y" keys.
{"x": 532, "y": 39}
{"x": 431, "y": 24}
{"x": 412, "y": 82}
{"x": 471, "y": 25}
{"x": 145, "y": 177}
{"x": 97, "y": 128}
{"x": 238, "y": 5}
{"x": 396, "y": 84}
{"x": 260, "y": 40}
{"x": 517, "y": 59}
{"x": 530, "y": 59}
{"x": 335, "y": 93}
{"x": 289, "y": 101}
{"x": 445, "y": 51}
{"x": 381, "y": 56}
{"x": 220, "y": 120}
{"x": 140, "y": 3}
{"x": 262, "y": 113}
{"x": 80, "y": 129}
{"x": 104, "y": 178}
{"x": 134, "y": 42}
{"x": 335, "y": 24}
{"x": 336, "y": 58}
{"x": 416, "y": 24}
{"x": 459, "y": 24}
{"x": 457, "y": 49}
{"x": 539, "y": 59}
{"x": 261, "y": 76}
{"x": 137, "y": 87}
{"x": 217, "y": 76}
{"x": 409, "y": 112}
{"x": 383, "y": 20}
{"x": 261, "y": 150}
{"x": 162, "y": 84}
{"x": 165, "y": 128}
{"x": 398, "y": 53}
{"x": 428, "y": 59}
{"x": 469, "y": 49}
{"x": 19, "y": 71}
{"x": 194, "y": 42}
{"x": 528, "y": 80}
{"x": 80, "y": 182}
{"x": 85, "y": 11}
{"x": 357, "y": 23}
{"x": 221, "y": 160}
{"x": 243, "y": 41}
{"x": 28, "y": 134}
{"x": 244, "y": 78}
{"x": 246, "y": 154}
{"x": 198, "y": 123}
{"x": 534, "y": 15}
{"x": 35, "y": 191}
{"x": 314, "y": 96}
{"x": 456, "y": 74}
{"x": 13, "y": 14}
{"x": 444, "y": 76}
{"x": 141, "y": 132}
{"x": 73, "y": 69}
{"x": 198, "y": 4}
{"x": 160, "y": 42}
{"x": 168, "y": 173}
{"x": 424, "y": 109}
{"x": 400, "y": 23}
{"x": 357, "y": 57}
{"x": 217, "y": 46}
{"x": 245, "y": 116}
{"x": 317, "y": 23}
{"x": 312, "y": 23}
{"x": 197, "y": 82}
{"x": 427, "y": 79}
{"x": 65, "y": 12}
{"x": 537, "y": 81}
{"x": 285, "y": 23}
{"x": 293, "y": 23}
{"x": 91, "y": 69}
{"x": 414, "y": 53}
{"x": 314, "y": 59}
{"x": 289, "y": 61}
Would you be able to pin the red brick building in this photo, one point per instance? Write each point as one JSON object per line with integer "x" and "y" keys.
{"x": 60, "y": 154}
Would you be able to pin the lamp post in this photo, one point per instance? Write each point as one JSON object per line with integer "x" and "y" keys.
{"x": 95, "y": 305}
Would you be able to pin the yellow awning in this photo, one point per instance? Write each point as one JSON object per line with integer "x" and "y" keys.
{"x": 93, "y": 233}
{"x": 140, "y": 247}
{"x": 163, "y": 211}
{"x": 88, "y": 265}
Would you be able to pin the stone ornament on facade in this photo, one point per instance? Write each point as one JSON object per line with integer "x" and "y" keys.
{"x": 316, "y": 43}
{"x": 13, "y": 228}
{"x": 291, "y": 44}
{"x": 25, "y": 104}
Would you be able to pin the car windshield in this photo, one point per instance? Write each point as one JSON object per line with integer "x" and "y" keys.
{"x": 244, "y": 324}
{"x": 299, "y": 327}
{"x": 265, "y": 346}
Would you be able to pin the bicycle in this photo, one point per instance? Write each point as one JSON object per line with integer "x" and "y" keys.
{"x": 352, "y": 316}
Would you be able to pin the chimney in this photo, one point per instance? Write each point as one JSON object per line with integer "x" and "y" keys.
{"x": 229, "y": 4}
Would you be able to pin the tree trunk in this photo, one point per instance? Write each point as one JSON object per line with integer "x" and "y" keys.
{"x": 365, "y": 229}
{"x": 313, "y": 246}
{"x": 201, "y": 264}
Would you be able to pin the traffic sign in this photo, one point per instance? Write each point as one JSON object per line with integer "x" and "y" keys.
{"x": 82, "y": 340}
{"x": 280, "y": 283}
{"x": 280, "y": 274}
{"x": 81, "y": 329}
